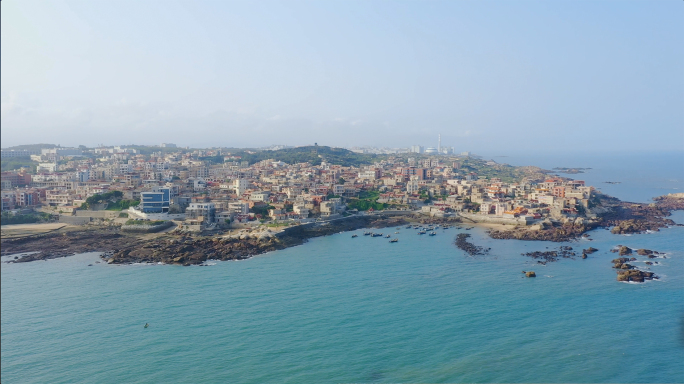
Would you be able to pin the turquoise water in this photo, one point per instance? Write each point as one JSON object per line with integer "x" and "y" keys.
{"x": 339, "y": 309}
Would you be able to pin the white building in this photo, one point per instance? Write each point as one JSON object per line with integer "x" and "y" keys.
{"x": 47, "y": 167}
{"x": 201, "y": 211}
{"x": 240, "y": 186}
{"x": 412, "y": 187}
{"x": 260, "y": 196}
{"x": 61, "y": 151}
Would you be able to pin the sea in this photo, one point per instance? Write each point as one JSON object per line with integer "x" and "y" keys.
{"x": 339, "y": 309}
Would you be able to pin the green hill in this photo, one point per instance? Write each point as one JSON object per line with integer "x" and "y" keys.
{"x": 312, "y": 154}
{"x": 30, "y": 147}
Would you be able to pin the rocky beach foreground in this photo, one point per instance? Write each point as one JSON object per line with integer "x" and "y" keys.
{"x": 181, "y": 248}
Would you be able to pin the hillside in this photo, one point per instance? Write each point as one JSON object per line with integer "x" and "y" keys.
{"x": 30, "y": 147}
{"x": 311, "y": 154}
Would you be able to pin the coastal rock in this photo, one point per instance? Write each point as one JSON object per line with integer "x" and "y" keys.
{"x": 470, "y": 248}
{"x": 625, "y": 250}
{"x": 563, "y": 233}
{"x": 530, "y": 274}
{"x": 590, "y": 250}
{"x": 551, "y": 256}
{"x": 635, "y": 275}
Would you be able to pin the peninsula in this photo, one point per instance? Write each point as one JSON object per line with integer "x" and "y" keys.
{"x": 185, "y": 206}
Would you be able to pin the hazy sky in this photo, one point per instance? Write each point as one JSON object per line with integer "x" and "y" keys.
{"x": 491, "y": 75}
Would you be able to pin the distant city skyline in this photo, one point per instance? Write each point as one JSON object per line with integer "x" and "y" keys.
{"x": 489, "y": 76}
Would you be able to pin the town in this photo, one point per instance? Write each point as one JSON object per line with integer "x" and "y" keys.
{"x": 199, "y": 190}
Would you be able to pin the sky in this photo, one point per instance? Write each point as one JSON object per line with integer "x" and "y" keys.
{"x": 486, "y": 75}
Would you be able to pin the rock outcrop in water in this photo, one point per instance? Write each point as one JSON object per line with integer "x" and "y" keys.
{"x": 560, "y": 233}
{"x": 629, "y": 273}
{"x": 635, "y": 275}
{"x": 470, "y": 248}
{"x": 551, "y": 256}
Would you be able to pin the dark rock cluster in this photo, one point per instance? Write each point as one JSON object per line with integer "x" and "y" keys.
{"x": 561, "y": 233}
{"x": 470, "y": 248}
{"x": 64, "y": 244}
{"x": 551, "y": 256}
{"x": 628, "y": 272}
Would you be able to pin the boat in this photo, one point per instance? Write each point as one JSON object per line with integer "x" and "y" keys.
{"x": 388, "y": 236}
{"x": 396, "y": 232}
{"x": 147, "y": 325}
{"x": 432, "y": 233}
{"x": 394, "y": 241}
{"x": 408, "y": 227}
{"x": 421, "y": 232}
{"x": 376, "y": 234}
{"x": 353, "y": 236}
{"x": 366, "y": 233}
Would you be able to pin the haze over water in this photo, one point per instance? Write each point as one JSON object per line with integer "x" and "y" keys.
{"x": 339, "y": 309}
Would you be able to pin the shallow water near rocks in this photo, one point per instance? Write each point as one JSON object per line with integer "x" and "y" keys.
{"x": 342, "y": 309}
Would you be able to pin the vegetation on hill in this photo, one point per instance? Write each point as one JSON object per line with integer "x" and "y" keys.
{"x": 261, "y": 210}
{"x": 14, "y": 163}
{"x": 312, "y": 154}
{"x": 37, "y": 217}
{"x": 114, "y": 200}
{"x": 507, "y": 173}
{"x": 30, "y": 147}
{"x": 148, "y": 150}
{"x": 366, "y": 201}
{"x": 122, "y": 204}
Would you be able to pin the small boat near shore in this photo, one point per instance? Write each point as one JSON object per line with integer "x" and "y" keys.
{"x": 394, "y": 241}
{"x": 432, "y": 233}
{"x": 366, "y": 233}
{"x": 388, "y": 236}
{"x": 421, "y": 232}
{"x": 353, "y": 236}
{"x": 376, "y": 234}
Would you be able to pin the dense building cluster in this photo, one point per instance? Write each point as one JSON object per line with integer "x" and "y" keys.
{"x": 183, "y": 184}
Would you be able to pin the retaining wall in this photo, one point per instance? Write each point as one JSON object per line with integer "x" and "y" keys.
{"x": 147, "y": 228}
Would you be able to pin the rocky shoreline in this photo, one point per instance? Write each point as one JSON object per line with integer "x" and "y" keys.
{"x": 622, "y": 217}
{"x": 120, "y": 247}
{"x": 183, "y": 249}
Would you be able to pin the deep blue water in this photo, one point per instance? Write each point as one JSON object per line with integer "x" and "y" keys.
{"x": 339, "y": 309}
